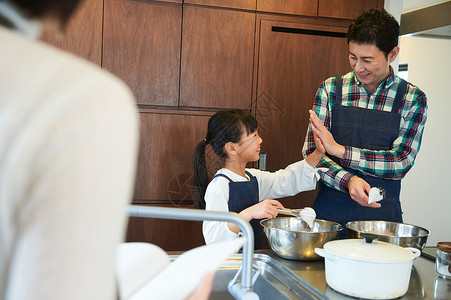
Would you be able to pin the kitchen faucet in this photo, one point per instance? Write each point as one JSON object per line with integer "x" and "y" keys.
{"x": 241, "y": 290}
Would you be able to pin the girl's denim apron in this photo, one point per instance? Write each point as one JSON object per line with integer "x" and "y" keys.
{"x": 243, "y": 194}
{"x": 367, "y": 129}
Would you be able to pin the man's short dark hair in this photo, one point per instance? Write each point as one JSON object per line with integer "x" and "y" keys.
{"x": 375, "y": 27}
{"x": 60, "y": 9}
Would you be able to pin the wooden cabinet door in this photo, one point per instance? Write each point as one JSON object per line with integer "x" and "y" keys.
{"x": 142, "y": 46}
{"x": 165, "y": 176}
{"x": 83, "y": 35}
{"x": 293, "y": 61}
{"x": 238, "y": 4}
{"x": 346, "y": 9}
{"x": 293, "y": 7}
{"x": 217, "y": 58}
{"x": 165, "y": 166}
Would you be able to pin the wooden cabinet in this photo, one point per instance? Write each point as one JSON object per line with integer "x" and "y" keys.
{"x": 294, "y": 7}
{"x": 171, "y": 1}
{"x": 142, "y": 46}
{"x": 238, "y": 4}
{"x": 83, "y": 35}
{"x": 165, "y": 170}
{"x": 346, "y": 9}
{"x": 294, "y": 59}
{"x": 165, "y": 176}
{"x": 217, "y": 58}
{"x": 184, "y": 60}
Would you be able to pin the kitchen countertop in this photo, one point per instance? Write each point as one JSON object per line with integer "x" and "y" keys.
{"x": 425, "y": 283}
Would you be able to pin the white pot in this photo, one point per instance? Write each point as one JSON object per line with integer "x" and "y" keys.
{"x": 376, "y": 270}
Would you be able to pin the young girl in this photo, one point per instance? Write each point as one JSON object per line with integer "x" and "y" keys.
{"x": 233, "y": 136}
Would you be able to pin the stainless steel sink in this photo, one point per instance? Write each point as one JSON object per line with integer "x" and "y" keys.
{"x": 273, "y": 282}
{"x": 271, "y": 279}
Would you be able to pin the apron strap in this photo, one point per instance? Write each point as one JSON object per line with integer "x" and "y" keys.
{"x": 338, "y": 90}
{"x": 225, "y": 176}
{"x": 402, "y": 88}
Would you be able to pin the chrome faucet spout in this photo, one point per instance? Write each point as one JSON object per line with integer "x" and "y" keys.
{"x": 242, "y": 291}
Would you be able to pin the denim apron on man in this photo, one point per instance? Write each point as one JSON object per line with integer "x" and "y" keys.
{"x": 367, "y": 129}
{"x": 243, "y": 194}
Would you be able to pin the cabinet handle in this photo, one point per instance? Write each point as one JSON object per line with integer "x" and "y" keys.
{"x": 308, "y": 31}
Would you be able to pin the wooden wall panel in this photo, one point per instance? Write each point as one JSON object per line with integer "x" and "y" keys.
{"x": 165, "y": 176}
{"x": 165, "y": 166}
{"x": 142, "y": 46}
{"x": 238, "y": 4}
{"x": 291, "y": 67}
{"x": 217, "y": 58}
{"x": 83, "y": 35}
{"x": 293, "y": 7}
{"x": 171, "y": 1}
{"x": 349, "y": 9}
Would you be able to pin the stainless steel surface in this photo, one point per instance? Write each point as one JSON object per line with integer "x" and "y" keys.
{"x": 291, "y": 238}
{"x": 290, "y": 212}
{"x": 404, "y": 235}
{"x": 429, "y": 252}
{"x": 424, "y": 281}
{"x": 241, "y": 289}
{"x": 274, "y": 280}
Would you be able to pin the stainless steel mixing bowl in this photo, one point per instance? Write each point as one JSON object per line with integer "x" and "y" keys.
{"x": 404, "y": 235}
{"x": 292, "y": 238}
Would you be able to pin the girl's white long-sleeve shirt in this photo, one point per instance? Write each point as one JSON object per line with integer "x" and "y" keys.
{"x": 295, "y": 178}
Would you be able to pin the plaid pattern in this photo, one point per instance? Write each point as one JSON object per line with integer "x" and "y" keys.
{"x": 391, "y": 164}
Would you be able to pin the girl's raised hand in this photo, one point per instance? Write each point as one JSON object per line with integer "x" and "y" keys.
{"x": 319, "y": 145}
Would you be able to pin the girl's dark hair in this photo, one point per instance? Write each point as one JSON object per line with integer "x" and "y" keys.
{"x": 223, "y": 127}
{"x": 61, "y": 9}
{"x": 375, "y": 27}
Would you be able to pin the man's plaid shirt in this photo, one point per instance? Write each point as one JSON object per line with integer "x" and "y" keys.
{"x": 391, "y": 164}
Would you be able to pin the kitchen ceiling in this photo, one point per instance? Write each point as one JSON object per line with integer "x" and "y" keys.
{"x": 430, "y": 21}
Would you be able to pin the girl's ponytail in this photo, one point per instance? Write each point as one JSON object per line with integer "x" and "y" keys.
{"x": 200, "y": 175}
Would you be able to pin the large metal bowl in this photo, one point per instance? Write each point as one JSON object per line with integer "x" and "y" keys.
{"x": 292, "y": 238}
{"x": 404, "y": 235}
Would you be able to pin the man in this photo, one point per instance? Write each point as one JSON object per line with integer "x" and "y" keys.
{"x": 376, "y": 122}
